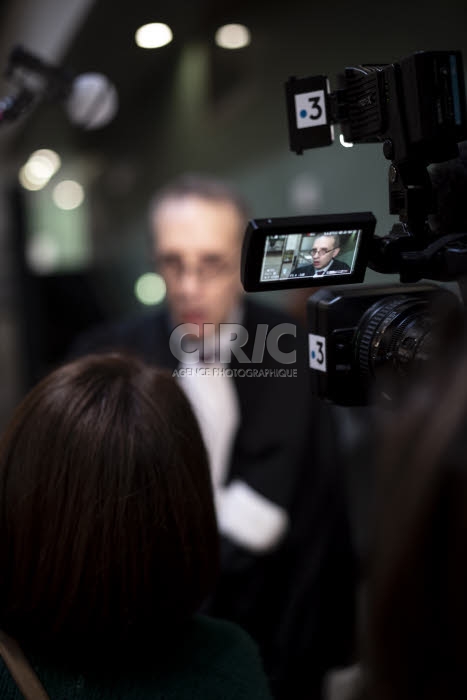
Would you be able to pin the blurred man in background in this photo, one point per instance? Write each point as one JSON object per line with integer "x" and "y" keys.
{"x": 254, "y": 408}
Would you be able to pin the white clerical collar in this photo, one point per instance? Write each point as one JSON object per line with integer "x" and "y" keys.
{"x": 213, "y": 345}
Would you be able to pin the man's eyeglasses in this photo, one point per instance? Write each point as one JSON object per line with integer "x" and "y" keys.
{"x": 319, "y": 252}
{"x": 174, "y": 268}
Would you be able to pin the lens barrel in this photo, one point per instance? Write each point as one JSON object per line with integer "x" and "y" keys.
{"x": 395, "y": 336}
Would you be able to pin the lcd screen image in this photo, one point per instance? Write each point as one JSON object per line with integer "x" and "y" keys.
{"x": 302, "y": 255}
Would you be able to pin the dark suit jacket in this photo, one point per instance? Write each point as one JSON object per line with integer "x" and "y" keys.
{"x": 309, "y": 270}
{"x": 274, "y": 410}
{"x": 268, "y": 593}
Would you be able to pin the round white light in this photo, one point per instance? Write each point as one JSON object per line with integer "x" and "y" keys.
{"x": 51, "y": 157}
{"x": 233, "y": 36}
{"x": 43, "y": 163}
{"x": 150, "y": 289}
{"x": 93, "y": 101}
{"x": 39, "y": 168}
{"x": 42, "y": 254}
{"x": 27, "y": 182}
{"x": 153, "y": 35}
{"x": 68, "y": 194}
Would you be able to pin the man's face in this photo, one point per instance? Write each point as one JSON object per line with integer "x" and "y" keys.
{"x": 323, "y": 251}
{"x": 198, "y": 246}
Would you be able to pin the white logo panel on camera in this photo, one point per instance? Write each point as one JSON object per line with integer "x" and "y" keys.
{"x": 310, "y": 109}
{"x": 317, "y": 352}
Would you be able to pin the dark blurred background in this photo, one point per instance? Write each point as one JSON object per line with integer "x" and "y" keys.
{"x": 189, "y": 105}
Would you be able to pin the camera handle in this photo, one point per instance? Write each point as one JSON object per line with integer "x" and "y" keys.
{"x": 411, "y": 198}
{"x": 410, "y": 248}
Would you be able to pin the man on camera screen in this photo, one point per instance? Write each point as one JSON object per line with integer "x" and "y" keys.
{"x": 324, "y": 252}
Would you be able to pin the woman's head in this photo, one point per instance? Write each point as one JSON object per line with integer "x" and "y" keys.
{"x": 416, "y": 643}
{"x": 107, "y": 524}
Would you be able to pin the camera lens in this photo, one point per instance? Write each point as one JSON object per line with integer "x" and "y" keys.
{"x": 395, "y": 336}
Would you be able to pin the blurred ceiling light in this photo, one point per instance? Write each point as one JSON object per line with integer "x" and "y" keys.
{"x": 153, "y": 35}
{"x": 39, "y": 168}
{"x": 27, "y": 183}
{"x": 150, "y": 289}
{"x": 68, "y": 194}
{"x": 93, "y": 101}
{"x": 42, "y": 253}
{"x": 233, "y": 36}
{"x": 44, "y": 162}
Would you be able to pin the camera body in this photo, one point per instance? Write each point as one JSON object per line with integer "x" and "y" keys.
{"x": 364, "y": 340}
{"x": 416, "y": 107}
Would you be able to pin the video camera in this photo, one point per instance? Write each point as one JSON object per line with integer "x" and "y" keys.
{"x": 417, "y": 109}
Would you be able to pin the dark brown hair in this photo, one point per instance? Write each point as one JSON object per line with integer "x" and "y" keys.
{"x": 415, "y": 644}
{"x": 108, "y": 533}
